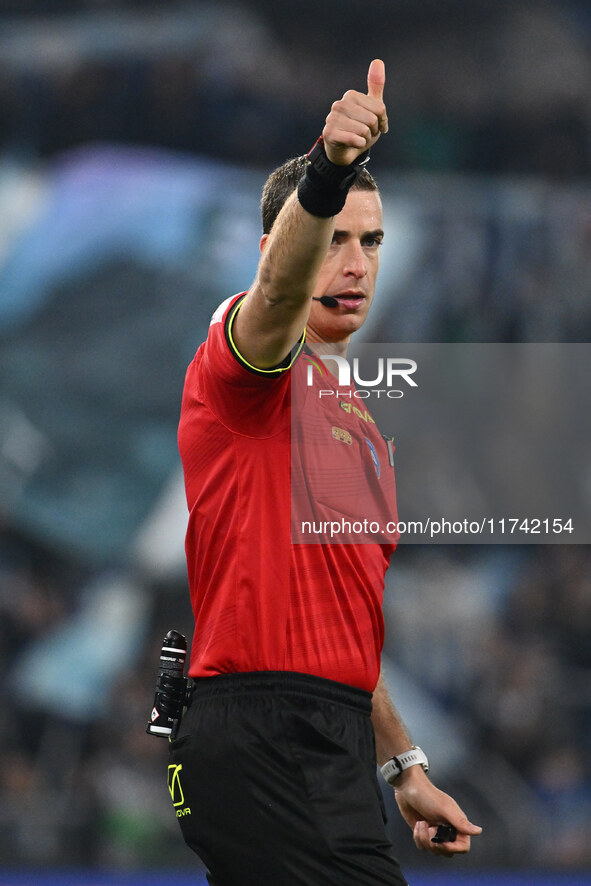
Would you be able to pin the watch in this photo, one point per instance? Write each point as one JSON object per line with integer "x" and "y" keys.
{"x": 396, "y": 766}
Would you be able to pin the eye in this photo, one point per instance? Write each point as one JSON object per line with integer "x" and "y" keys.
{"x": 372, "y": 241}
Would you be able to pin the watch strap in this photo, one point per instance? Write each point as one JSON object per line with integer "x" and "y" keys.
{"x": 341, "y": 177}
{"x": 414, "y": 756}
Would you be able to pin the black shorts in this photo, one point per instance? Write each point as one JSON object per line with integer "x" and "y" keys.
{"x": 273, "y": 780}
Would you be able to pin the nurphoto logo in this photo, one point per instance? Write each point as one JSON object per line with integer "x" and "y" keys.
{"x": 389, "y": 371}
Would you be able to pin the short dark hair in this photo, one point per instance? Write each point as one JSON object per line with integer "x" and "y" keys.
{"x": 283, "y": 182}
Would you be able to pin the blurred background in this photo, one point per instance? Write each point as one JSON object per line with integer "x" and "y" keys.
{"x": 134, "y": 141}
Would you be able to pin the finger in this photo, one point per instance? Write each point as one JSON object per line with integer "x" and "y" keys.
{"x": 344, "y": 138}
{"x": 421, "y": 836}
{"x": 354, "y": 106}
{"x": 376, "y": 79}
{"x": 358, "y": 114}
{"x": 363, "y": 123}
{"x": 456, "y": 817}
{"x": 460, "y": 846}
{"x": 463, "y": 826}
{"x": 423, "y": 833}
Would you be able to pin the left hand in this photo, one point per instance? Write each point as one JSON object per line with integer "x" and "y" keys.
{"x": 424, "y": 807}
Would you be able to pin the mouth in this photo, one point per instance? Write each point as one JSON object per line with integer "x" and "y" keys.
{"x": 350, "y": 300}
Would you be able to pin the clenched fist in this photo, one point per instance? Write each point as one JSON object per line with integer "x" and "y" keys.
{"x": 356, "y": 121}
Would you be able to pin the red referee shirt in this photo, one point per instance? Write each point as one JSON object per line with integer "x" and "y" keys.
{"x": 260, "y": 601}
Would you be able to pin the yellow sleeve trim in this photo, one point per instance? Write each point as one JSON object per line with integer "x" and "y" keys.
{"x": 295, "y": 351}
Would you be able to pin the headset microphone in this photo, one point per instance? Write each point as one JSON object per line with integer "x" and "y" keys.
{"x": 327, "y": 300}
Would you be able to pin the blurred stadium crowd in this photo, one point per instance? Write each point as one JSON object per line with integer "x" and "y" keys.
{"x": 495, "y": 640}
{"x": 484, "y": 87}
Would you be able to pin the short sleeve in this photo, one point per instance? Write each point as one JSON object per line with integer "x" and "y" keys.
{"x": 247, "y": 400}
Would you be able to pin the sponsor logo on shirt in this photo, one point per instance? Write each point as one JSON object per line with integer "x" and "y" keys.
{"x": 349, "y": 408}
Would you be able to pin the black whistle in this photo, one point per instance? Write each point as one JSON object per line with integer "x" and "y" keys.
{"x": 446, "y": 833}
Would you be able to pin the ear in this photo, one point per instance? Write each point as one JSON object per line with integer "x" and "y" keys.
{"x": 263, "y": 242}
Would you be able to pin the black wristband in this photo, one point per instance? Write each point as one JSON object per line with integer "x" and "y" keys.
{"x": 323, "y": 189}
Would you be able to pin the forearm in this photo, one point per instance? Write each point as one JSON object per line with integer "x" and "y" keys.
{"x": 422, "y": 805}
{"x": 276, "y": 309}
{"x": 293, "y": 254}
{"x": 390, "y": 733}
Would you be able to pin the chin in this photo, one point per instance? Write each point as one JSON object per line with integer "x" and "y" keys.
{"x": 352, "y": 322}
{"x": 343, "y": 329}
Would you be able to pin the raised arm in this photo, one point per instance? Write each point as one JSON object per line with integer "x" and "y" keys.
{"x": 275, "y": 311}
{"x": 422, "y": 805}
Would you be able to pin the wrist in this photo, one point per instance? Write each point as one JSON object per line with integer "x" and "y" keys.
{"x": 409, "y": 778}
{"x": 340, "y": 175}
{"x": 404, "y": 766}
{"x": 323, "y": 189}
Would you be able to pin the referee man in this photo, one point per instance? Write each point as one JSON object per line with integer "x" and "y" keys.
{"x": 273, "y": 773}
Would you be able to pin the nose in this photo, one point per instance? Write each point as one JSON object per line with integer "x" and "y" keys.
{"x": 355, "y": 263}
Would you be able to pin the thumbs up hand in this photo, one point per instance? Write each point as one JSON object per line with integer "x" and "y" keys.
{"x": 356, "y": 121}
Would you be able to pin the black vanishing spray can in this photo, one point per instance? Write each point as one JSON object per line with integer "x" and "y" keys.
{"x": 172, "y": 687}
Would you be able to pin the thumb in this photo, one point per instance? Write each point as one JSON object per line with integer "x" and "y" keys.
{"x": 466, "y": 827}
{"x": 376, "y": 78}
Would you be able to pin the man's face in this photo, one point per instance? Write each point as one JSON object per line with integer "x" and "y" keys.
{"x": 349, "y": 270}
